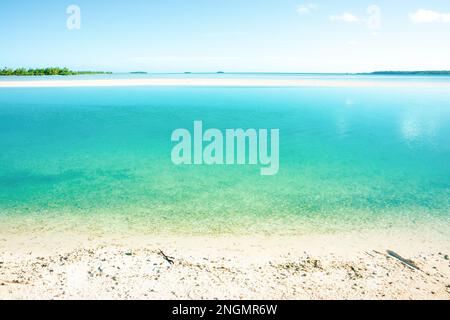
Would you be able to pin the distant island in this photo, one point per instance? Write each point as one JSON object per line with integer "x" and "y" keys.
{"x": 138, "y": 72}
{"x": 411, "y": 73}
{"x": 46, "y": 72}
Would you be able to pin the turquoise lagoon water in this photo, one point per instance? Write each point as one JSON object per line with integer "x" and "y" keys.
{"x": 99, "y": 158}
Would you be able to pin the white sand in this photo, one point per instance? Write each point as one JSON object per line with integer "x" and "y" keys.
{"x": 330, "y": 266}
{"x": 220, "y": 82}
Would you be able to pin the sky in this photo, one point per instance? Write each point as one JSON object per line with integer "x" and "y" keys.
{"x": 230, "y": 36}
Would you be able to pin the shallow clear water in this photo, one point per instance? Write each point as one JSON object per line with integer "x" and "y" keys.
{"x": 349, "y": 157}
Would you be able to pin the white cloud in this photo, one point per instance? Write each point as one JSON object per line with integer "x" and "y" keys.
{"x": 306, "y": 8}
{"x": 429, "y": 16}
{"x": 345, "y": 17}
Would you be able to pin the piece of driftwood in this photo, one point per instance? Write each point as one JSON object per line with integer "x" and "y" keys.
{"x": 170, "y": 260}
{"x": 406, "y": 262}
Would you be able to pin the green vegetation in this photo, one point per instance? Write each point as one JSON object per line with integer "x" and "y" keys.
{"x": 412, "y": 73}
{"x": 45, "y": 72}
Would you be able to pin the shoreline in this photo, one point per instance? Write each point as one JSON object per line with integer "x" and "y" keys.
{"x": 219, "y": 83}
{"x": 353, "y": 265}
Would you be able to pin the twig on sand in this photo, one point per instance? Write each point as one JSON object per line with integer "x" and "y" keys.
{"x": 406, "y": 262}
{"x": 5, "y": 282}
{"x": 170, "y": 260}
{"x": 391, "y": 254}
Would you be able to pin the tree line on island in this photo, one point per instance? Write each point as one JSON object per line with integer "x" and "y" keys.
{"x": 412, "y": 73}
{"x": 45, "y": 72}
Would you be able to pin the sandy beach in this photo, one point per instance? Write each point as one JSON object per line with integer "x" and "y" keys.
{"x": 221, "y": 83}
{"x": 327, "y": 266}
